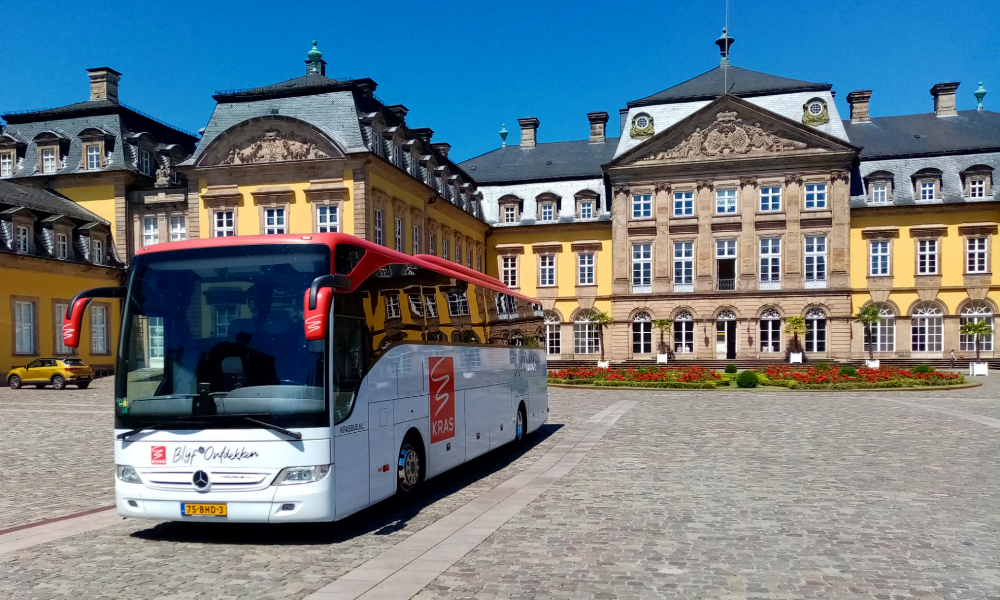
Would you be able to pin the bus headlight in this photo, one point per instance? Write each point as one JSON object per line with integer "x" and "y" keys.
{"x": 294, "y": 475}
{"x": 127, "y": 474}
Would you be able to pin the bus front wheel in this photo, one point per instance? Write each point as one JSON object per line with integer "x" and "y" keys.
{"x": 411, "y": 464}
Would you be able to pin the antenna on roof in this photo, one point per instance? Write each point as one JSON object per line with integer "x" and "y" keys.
{"x": 724, "y": 42}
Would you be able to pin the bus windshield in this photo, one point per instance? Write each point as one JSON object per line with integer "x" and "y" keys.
{"x": 212, "y": 332}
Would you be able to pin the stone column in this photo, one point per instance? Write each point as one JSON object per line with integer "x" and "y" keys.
{"x": 662, "y": 250}
{"x": 619, "y": 241}
{"x": 792, "y": 251}
{"x": 838, "y": 246}
{"x": 704, "y": 267}
{"x": 747, "y": 244}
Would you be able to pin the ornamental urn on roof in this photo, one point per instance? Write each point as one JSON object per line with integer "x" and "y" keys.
{"x": 315, "y": 56}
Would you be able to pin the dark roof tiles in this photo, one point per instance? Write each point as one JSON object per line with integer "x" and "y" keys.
{"x": 552, "y": 160}
{"x": 926, "y": 134}
{"x": 738, "y": 81}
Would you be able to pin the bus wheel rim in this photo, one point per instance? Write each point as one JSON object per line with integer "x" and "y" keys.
{"x": 409, "y": 472}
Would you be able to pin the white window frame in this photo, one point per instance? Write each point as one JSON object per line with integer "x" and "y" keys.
{"x": 770, "y": 198}
{"x": 642, "y": 333}
{"x": 725, "y": 201}
{"x": 553, "y": 336}
{"x": 22, "y": 238}
{"x": 927, "y": 256}
{"x": 815, "y": 261}
{"x": 328, "y": 218}
{"x": 223, "y": 315}
{"x": 150, "y": 230}
{"x": 379, "y": 227}
{"x": 275, "y": 221}
{"x": 509, "y": 213}
{"x": 587, "y": 209}
{"x": 548, "y": 212}
{"x": 816, "y": 331}
{"x": 725, "y": 248}
{"x": 815, "y": 196}
{"x": 586, "y": 265}
{"x": 967, "y": 343}
{"x": 977, "y": 187}
{"x": 96, "y": 251}
{"x": 976, "y": 254}
{"x": 684, "y": 204}
{"x": 416, "y": 239}
{"x": 458, "y": 304}
{"x": 62, "y": 246}
{"x": 416, "y": 305}
{"x": 224, "y": 223}
{"x": 770, "y": 260}
{"x": 178, "y": 228}
{"x": 508, "y": 271}
{"x": 98, "y": 329}
{"x": 25, "y": 323}
{"x": 6, "y": 164}
{"x": 586, "y": 339}
{"x": 145, "y": 162}
{"x": 446, "y": 249}
{"x": 392, "y": 307}
{"x": 684, "y": 336}
{"x": 928, "y": 191}
{"x": 93, "y": 157}
{"x": 642, "y": 206}
{"x": 770, "y": 334}
{"x": 684, "y": 266}
{"x": 880, "y": 193}
{"x": 879, "y": 258}
{"x": 883, "y": 332}
{"x": 398, "y": 234}
{"x": 49, "y": 160}
{"x": 430, "y": 305}
{"x": 642, "y": 267}
{"x": 60, "y": 312}
{"x": 927, "y": 330}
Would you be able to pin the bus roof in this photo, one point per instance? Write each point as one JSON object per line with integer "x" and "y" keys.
{"x": 377, "y": 256}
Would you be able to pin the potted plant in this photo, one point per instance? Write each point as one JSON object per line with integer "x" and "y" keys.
{"x": 869, "y": 316}
{"x": 978, "y": 329}
{"x": 602, "y": 320}
{"x": 663, "y": 352}
{"x": 795, "y": 326}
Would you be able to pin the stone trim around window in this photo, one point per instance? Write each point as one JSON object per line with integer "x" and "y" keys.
{"x": 977, "y": 173}
{"x": 509, "y": 251}
{"x": 36, "y": 351}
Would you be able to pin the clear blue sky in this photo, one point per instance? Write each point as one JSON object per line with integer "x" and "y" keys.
{"x": 465, "y": 67}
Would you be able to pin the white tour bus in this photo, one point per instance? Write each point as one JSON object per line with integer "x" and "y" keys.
{"x": 289, "y": 378}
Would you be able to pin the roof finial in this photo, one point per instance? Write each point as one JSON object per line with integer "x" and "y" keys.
{"x": 503, "y": 135}
{"x": 980, "y": 94}
{"x": 724, "y": 42}
{"x": 314, "y": 57}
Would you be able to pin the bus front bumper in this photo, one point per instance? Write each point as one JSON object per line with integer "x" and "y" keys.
{"x": 274, "y": 504}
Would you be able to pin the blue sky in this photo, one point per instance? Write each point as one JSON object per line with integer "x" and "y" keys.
{"x": 464, "y": 68}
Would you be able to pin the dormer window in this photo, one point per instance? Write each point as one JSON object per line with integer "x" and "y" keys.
{"x": 977, "y": 182}
{"x": 145, "y": 162}
{"x": 6, "y": 164}
{"x": 879, "y": 187}
{"x": 548, "y": 211}
{"x": 927, "y": 189}
{"x": 93, "y": 157}
{"x": 586, "y": 209}
{"x": 48, "y": 160}
{"x": 22, "y": 239}
{"x": 96, "y": 251}
{"x": 510, "y": 214}
{"x": 378, "y": 146}
{"x": 880, "y": 193}
{"x": 927, "y": 185}
{"x": 62, "y": 246}
{"x": 586, "y": 204}
{"x": 977, "y": 188}
{"x": 414, "y": 166}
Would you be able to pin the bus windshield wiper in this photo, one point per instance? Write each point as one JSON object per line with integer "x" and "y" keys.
{"x": 247, "y": 418}
{"x": 152, "y": 426}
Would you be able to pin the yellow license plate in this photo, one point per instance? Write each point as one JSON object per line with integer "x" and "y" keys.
{"x": 203, "y": 510}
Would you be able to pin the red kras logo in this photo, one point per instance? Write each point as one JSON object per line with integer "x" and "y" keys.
{"x": 442, "y": 385}
{"x": 158, "y": 455}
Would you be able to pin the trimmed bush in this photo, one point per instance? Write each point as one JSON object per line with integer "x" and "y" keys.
{"x": 848, "y": 371}
{"x": 923, "y": 369}
{"x": 730, "y": 368}
{"x": 821, "y": 366}
{"x": 747, "y": 379}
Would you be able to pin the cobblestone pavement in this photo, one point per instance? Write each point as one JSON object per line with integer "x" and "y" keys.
{"x": 690, "y": 495}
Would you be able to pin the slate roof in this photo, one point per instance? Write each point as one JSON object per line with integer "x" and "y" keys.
{"x": 44, "y": 201}
{"x": 926, "y": 134}
{"x": 547, "y": 161}
{"x": 312, "y": 83}
{"x": 741, "y": 82}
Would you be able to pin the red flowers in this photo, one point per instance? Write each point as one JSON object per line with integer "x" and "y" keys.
{"x": 692, "y": 374}
{"x": 834, "y": 375}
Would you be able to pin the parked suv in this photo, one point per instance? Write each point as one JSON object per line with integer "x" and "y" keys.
{"x": 56, "y": 372}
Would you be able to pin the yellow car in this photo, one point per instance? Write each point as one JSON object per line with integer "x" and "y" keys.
{"x": 56, "y": 372}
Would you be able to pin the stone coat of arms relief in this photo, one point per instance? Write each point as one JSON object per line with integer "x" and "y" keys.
{"x": 727, "y": 135}
{"x": 273, "y": 146}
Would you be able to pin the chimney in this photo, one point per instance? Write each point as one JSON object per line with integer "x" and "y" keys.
{"x": 442, "y": 148}
{"x": 858, "y": 99}
{"x": 529, "y": 131}
{"x": 944, "y": 99}
{"x": 399, "y": 110}
{"x": 598, "y": 121}
{"x": 104, "y": 83}
{"x": 320, "y": 67}
{"x": 423, "y": 134}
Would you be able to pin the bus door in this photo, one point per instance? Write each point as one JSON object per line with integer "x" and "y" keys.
{"x": 382, "y": 450}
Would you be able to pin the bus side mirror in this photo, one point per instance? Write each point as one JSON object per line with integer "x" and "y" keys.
{"x": 73, "y": 319}
{"x": 318, "y": 299}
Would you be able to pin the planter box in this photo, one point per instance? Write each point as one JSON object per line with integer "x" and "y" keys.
{"x": 661, "y": 359}
{"x": 603, "y": 364}
{"x": 795, "y": 357}
{"x": 872, "y": 364}
{"x": 979, "y": 369}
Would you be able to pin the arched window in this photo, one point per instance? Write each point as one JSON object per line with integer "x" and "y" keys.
{"x": 883, "y": 333}
{"x": 553, "y": 343}
{"x": 642, "y": 333}
{"x": 770, "y": 331}
{"x": 726, "y": 315}
{"x": 683, "y": 332}
{"x": 927, "y": 328}
{"x": 585, "y": 334}
{"x": 974, "y": 312}
{"x": 815, "y": 330}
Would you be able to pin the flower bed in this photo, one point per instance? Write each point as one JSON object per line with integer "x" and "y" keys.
{"x": 864, "y": 378}
{"x": 693, "y": 377}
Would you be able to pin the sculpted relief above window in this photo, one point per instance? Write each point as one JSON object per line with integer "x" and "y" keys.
{"x": 273, "y": 146}
{"x": 727, "y": 135}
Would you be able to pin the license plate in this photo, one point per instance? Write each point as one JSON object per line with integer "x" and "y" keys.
{"x": 203, "y": 510}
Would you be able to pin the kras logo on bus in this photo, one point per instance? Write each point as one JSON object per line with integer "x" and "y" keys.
{"x": 441, "y": 380}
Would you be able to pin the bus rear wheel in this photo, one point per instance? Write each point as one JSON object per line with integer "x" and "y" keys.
{"x": 521, "y": 426}
{"x": 411, "y": 465}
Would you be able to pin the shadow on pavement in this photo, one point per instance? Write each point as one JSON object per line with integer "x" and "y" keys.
{"x": 383, "y": 518}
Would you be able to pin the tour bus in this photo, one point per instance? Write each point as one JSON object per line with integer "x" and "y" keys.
{"x": 289, "y": 378}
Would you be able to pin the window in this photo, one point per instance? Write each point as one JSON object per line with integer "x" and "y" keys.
{"x": 414, "y": 166}
{"x": 642, "y": 206}
{"x": 6, "y": 164}
{"x": 770, "y": 198}
{"x": 398, "y": 234}
{"x": 508, "y": 270}
{"x": 458, "y": 253}
{"x": 178, "y": 228}
{"x": 49, "y": 160}
{"x": 725, "y": 249}
{"x": 585, "y": 270}
{"x": 432, "y": 244}
{"x": 927, "y": 257}
{"x": 378, "y": 143}
{"x": 683, "y": 333}
{"x": 642, "y": 333}
{"x": 274, "y": 221}
{"x": 150, "y": 230}
{"x": 586, "y": 339}
{"x": 62, "y": 246}
{"x": 397, "y": 156}
{"x": 447, "y": 249}
{"x": 96, "y": 251}
{"x": 977, "y": 188}
{"x": 24, "y": 327}
{"x": 973, "y": 313}
{"x": 815, "y": 261}
{"x": 468, "y": 257}
{"x": 509, "y": 213}
{"x": 224, "y": 315}
{"x": 416, "y": 305}
{"x": 815, "y": 330}
{"x": 59, "y": 311}
{"x": 145, "y": 162}
{"x": 328, "y": 219}
{"x": 879, "y": 259}
{"x": 815, "y": 195}
{"x": 552, "y": 335}
{"x": 225, "y": 225}
{"x": 683, "y": 204}
{"x": 430, "y": 304}
{"x": 770, "y": 331}
{"x": 684, "y": 266}
{"x": 927, "y": 329}
{"x": 883, "y": 333}
{"x": 392, "y": 307}
{"x": 479, "y": 262}
{"x": 99, "y": 329}
{"x": 93, "y": 157}
{"x": 587, "y": 210}
{"x": 416, "y": 239}
{"x": 379, "y": 235}
{"x": 506, "y": 306}
{"x": 642, "y": 268}
{"x": 23, "y": 239}
{"x": 927, "y": 190}
{"x": 975, "y": 251}
{"x": 880, "y": 193}
{"x": 770, "y": 261}
{"x": 725, "y": 201}
{"x": 548, "y": 211}
{"x": 458, "y": 304}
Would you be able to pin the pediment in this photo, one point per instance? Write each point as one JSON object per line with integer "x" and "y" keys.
{"x": 269, "y": 141}
{"x": 727, "y": 129}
